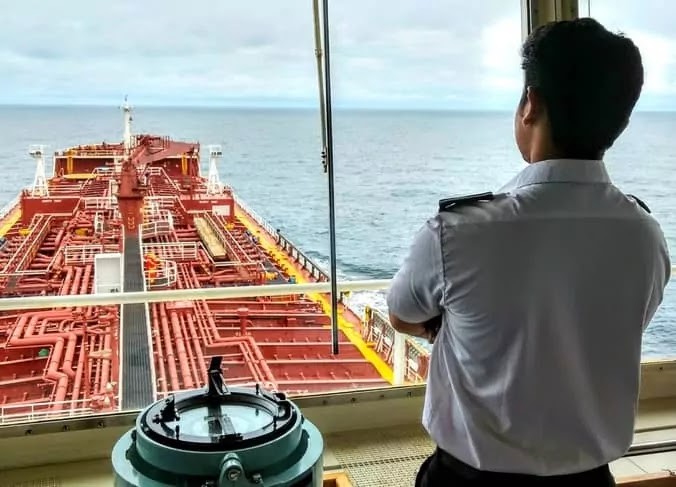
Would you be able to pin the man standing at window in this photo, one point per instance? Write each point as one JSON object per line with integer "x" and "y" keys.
{"x": 536, "y": 298}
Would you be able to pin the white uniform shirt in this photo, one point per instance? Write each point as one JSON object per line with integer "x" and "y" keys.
{"x": 545, "y": 292}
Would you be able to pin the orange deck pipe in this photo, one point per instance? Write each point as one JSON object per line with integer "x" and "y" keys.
{"x": 192, "y": 352}
{"x": 56, "y": 339}
{"x": 181, "y": 351}
{"x": 97, "y": 378}
{"x": 76, "y": 281}
{"x": 198, "y": 347}
{"x": 79, "y": 372}
{"x": 88, "y": 344}
{"x": 261, "y": 360}
{"x": 159, "y": 351}
{"x": 65, "y": 287}
{"x": 67, "y": 366}
{"x": 84, "y": 284}
{"x": 115, "y": 357}
{"x": 187, "y": 329}
{"x": 60, "y": 377}
{"x": 105, "y": 365}
{"x": 167, "y": 339}
{"x": 243, "y": 314}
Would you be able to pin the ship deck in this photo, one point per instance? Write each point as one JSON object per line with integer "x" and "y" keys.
{"x": 181, "y": 234}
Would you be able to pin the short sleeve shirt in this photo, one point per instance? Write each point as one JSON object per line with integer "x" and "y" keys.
{"x": 544, "y": 292}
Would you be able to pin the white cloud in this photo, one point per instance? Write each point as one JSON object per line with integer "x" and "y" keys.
{"x": 501, "y": 43}
{"x": 659, "y": 62}
{"x": 446, "y": 53}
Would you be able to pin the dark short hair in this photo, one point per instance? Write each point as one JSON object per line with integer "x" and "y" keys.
{"x": 590, "y": 80}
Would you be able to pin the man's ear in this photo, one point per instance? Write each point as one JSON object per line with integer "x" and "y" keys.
{"x": 532, "y": 107}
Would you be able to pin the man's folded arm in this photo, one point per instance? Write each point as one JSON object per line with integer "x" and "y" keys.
{"x": 415, "y": 294}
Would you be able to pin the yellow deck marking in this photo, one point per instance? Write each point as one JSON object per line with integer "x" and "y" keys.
{"x": 10, "y": 220}
{"x": 345, "y": 326}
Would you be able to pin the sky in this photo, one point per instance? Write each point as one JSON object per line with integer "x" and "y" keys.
{"x": 443, "y": 54}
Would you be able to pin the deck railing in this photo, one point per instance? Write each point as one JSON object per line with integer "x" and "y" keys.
{"x": 164, "y": 275}
{"x": 156, "y": 228}
{"x": 9, "y": 206}
{"x": 303, "y": 260}
{"x": 255, "y": 216}
{"x": 161, "y": 202}
{"x": 81, "y": 254}
{"x": 94, "y": 203}
{"x": 158, "y": 171}
{"x": 177, "y": 251}
{"x": 40, "y": 411}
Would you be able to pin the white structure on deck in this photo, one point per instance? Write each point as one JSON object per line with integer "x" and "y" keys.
{"x": 214, "y": 185}
{"x": 40, "y": 187}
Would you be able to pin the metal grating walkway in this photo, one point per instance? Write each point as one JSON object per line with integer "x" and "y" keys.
{"x": 137, "y": 383}
{"x": 383, "y": 457}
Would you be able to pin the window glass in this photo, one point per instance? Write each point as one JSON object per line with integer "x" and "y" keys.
{"x": 641, "y": 162}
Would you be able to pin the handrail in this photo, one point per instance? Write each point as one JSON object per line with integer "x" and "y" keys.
{"x": 37, "y": 302}
{"x": 303, "y": 260}
{"x": 9, "y": 206}
{"x": 81, "y": 254}
{"x": 44, "y": 410}
{"x": 257, "y": 218}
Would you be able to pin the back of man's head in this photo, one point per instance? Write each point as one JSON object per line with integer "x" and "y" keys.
{"x": 589, "y": 80}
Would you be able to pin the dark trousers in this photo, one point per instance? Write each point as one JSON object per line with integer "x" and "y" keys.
{"x": 442, "y": 469}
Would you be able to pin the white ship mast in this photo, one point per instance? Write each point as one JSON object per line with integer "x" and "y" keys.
{"x": 126, "y": 108}
{"x": 40, "y": 187}
{"x": 214, "y": 185}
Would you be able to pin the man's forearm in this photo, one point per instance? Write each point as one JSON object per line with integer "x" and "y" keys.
{"x": 414, "y": 329}
{"x": 427, "y": 330}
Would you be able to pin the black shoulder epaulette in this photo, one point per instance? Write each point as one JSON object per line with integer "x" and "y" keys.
{"x": 448, "y": 204}
{"x": 640, "y": 203}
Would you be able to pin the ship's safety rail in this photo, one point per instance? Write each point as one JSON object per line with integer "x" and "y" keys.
{"x": 81, "y": 254}
{"x": 7, "y": 209}
{"x": 303, "y": 260}
{"x": 161, "y": 202}
{"x": 176, "y": 251}
{"x": 157, "y": 171}
{"x": 255, "y": 216}
{"x": 98, "y": 203}
{"x": 20, "y": 261}
{"x": 75, "y": 152}
{"x": 99, "y": 222}
{"x": 378, "y": 332}
{"x": 153, "y": 213}
{"x": 40, "y": 411}
{"x": 161, "y": 274}
{"x": 104, "y": 172}
{"x": 154, "y": 229}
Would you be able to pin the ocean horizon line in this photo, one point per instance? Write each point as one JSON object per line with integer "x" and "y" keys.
{"x": 254, "y": 107}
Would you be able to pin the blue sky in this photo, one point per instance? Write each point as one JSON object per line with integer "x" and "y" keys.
{"x": 407, "y": 54}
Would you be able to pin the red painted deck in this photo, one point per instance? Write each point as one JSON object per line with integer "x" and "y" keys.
{"x": 69, "y": 359}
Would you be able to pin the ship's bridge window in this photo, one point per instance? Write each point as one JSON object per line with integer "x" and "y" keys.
{"x": 206, "y": 186}
{"x": 215, "y": 181}
{"x": 643, "y": 156}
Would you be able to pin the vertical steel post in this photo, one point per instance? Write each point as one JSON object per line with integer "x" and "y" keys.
{"x": 322, "y": 49}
